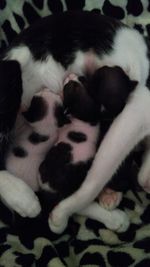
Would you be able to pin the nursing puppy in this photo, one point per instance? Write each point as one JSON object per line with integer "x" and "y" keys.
{"x": 35, "y": 133}
{"x": 67, "y": 162}
{"x": 110, "y": 88}
{"x": 84, "y": 48}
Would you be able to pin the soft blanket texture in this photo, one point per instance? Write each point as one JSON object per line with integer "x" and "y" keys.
{"x": 85, "y": 242}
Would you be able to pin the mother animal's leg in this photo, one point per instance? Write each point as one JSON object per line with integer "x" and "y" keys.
{"x": 18, "y": 196}
{"x": 116, "y": 220}
{"x": 14, "y": 192}
{"x": 130, "y": 127}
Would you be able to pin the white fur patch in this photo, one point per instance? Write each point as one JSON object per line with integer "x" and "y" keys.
{"x": 21, "y": 53}
{"x": 18, "y": 196}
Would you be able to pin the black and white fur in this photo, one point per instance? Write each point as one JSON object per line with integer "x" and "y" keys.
{"x": 47, "y": 53}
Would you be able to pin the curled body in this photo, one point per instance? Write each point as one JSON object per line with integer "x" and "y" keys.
{"x": 84, "y": 48}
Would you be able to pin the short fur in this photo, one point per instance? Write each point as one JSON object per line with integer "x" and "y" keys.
{"x": 69, "y": 43}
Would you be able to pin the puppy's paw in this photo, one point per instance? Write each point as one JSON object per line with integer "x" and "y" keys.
{"x": 118, "y": 221}
{"x": 109, "y": 199}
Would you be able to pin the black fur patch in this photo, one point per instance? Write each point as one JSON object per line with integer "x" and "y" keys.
{"x": 36, "y": 138}
{"x": 19, "y": 152}
{"x": 77, "y": 137}
{"x": 79, "y": 104}
{"x": 10, "y": 98}
{"x": 110, "y": 87}
{"x": 37, "y": 110}
{"x": 60, "y": 115}
{"x": 51, "y": 168}
{"x": 71, "y": 30}
{"x": 10, "y": 93}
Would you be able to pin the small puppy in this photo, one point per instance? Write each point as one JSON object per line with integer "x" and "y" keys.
{"x": 67, "y": 162}
{"x": 36, "y": 132}
{"x": 110, "y": 88}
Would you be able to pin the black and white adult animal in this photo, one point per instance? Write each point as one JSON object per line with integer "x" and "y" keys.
{"x": 79, "y": 43}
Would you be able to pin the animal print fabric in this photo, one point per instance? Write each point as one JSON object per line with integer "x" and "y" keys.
{"x": 85, "y": 242}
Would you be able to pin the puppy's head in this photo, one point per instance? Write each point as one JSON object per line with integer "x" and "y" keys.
{"x": 110, "y": 87}
{"x": 78, "y": 102}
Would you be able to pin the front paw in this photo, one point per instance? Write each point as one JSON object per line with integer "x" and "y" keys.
{"x": 118, "y": 221}
{"x": 58, "y": 220}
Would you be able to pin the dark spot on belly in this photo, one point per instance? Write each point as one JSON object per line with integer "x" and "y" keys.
{"x": 37, "y": 110}
{"x": 77, "y": 137}
{"x": 36, "y": 138}
{"x": 20, "y": 152}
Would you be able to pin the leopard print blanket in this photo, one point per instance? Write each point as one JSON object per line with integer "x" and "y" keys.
{"x": 85, "y": 242}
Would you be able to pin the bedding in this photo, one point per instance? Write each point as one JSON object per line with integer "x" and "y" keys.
{"x": 85, "y": 242}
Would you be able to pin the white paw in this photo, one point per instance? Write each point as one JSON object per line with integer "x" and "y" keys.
{"x": 109, "y": 199}
{"x": 58, "y": 220}
{"x": 19, "y": 197}
{"x": 118, "y": 221}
